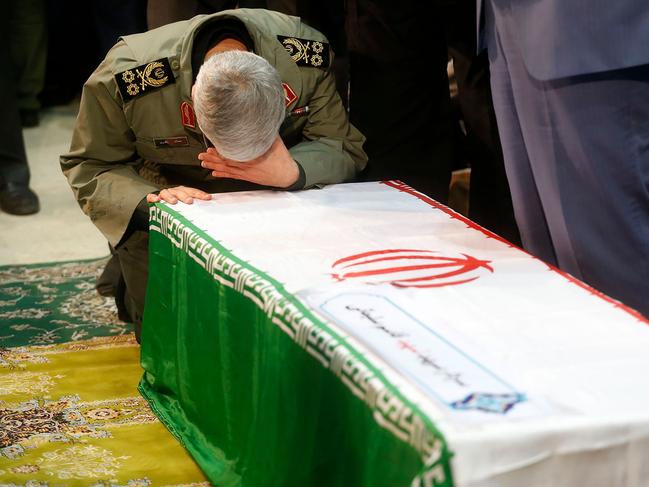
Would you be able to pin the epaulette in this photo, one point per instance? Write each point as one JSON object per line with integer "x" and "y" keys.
{"x": 144, "y": 79}
{"x": 306, "y": 52}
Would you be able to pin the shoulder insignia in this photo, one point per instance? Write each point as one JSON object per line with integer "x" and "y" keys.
{"x": 305, "y": 52}
{"x": 144, "y": 79}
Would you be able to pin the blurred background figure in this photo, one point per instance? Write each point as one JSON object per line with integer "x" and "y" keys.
{"x": 97, "y": 25}
{"x": 117, "y": 18}
{"x": 399, "y": 92}
{"x": 15, "y": 196}
{"x": 478, "y": 143}
{"x": 162, "y": 12}
{"x": 28, "y": 47}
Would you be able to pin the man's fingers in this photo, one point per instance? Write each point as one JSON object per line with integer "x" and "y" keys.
{"x": 233, "y": 168}
{"x": 214, "y": 152}
{"x": 210, "y": 158}
{"x": 197, "y": 193}
{"x": 182, "y": 193}
{"x": 210, "y": 164}
{"x": 168, "y": 196}
{"x": 229, "y": 173}
{"x": 179, "y": 193}
{"x": 218, "y": 164}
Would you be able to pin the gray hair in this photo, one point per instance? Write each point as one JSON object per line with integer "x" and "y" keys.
{"x": 239, "y": 102}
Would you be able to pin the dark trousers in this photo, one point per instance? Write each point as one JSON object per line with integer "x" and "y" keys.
{"x": 28, "y": 50}
{"x": 490, "y": 202}
{"x": 163, "y": 12}
{"x": 399, "y": 95}
{"x": 117, "y": 18}
{"x": 13, "y": 160}
{"x": 125, "y": 277}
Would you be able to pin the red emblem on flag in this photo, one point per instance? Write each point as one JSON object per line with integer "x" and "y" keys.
{"x": 289, "y": 94}
{"x": 409, "y": 268}
{"x": 187, "y": 115}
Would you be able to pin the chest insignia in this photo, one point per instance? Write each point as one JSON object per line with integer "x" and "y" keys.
{"x": 144, "y": 79}
{"x": 289, "y": 94}
{"x": 187, "y": 115}
{"x": 305, "y": 52}
{"x": 171, "y": 142}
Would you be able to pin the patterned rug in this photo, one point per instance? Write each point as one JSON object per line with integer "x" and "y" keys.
{"x": 70, "y": 413}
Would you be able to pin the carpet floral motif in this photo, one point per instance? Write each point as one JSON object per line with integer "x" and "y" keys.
{"x": 81, "y": 462}
{"x": 36, "y": 383}
{"x": 54, "y": 303}
{"x": 31, "y": 423}
{"x": 19, "y": 357}
{"x": 70, "y": 413}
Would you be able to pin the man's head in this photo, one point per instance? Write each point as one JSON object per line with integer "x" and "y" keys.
{"x": 239, "y": 103}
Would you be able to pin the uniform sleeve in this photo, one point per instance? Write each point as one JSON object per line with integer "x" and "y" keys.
{"x": 332, "y": 148}
{"x": 100, "y": 166}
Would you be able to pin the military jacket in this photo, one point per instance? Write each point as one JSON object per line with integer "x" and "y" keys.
{"x": 136, "y": 131}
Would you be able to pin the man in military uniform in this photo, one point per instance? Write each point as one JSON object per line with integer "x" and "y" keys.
{"x": 141, "y": 132}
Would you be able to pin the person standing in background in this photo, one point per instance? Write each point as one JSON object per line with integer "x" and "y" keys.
{"x": 490, "y": 201}
{"x": 28, "y": 47}
{"x": 15, "y": 196}
{"x": 399, "y": 92}
{"x": 570, "y": 83}
{"x": 117, "y": 18}
{"x": 163, "y": 12}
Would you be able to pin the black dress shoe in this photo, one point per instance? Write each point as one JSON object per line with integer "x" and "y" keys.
{"x": 18, "y": 199}
{"x": 29, "y": 118}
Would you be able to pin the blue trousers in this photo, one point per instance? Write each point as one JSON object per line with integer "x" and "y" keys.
{"x": 577, "y": 160}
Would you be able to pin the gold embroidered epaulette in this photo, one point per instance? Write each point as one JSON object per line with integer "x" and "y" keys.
{"x": 144, "y": 79}
{"x": 305, "y": 52}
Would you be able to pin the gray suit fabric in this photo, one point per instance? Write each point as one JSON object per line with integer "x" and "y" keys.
{"x": 561, "y": 38}
{"x": 573, "y": 116}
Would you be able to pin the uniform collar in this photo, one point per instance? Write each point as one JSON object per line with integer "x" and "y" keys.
{"x": 265, "y": 42}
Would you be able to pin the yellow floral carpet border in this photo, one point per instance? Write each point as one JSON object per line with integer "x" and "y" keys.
{"x": 70, "y": 415}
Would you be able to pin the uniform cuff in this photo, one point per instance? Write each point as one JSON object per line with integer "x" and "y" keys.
{"x": 301, "y": 179}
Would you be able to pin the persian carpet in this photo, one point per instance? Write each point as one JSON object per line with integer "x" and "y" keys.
{"x": 70, "y": 413}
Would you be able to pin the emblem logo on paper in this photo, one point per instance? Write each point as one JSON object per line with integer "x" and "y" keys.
{"x": 490, "y": 403}
{"x": 410, "y": 268}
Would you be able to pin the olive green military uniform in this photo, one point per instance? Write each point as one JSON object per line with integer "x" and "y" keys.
{"x": 136, "y": 131}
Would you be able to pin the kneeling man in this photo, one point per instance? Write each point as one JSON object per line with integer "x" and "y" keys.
{"x": 238, "y": 100}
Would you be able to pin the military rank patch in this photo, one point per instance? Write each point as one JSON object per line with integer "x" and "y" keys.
{"x": 289, "y": 94}
{"x": 305, "y": 52}
{"x": 144, "y": 79}
{"x": 187, "y": 115}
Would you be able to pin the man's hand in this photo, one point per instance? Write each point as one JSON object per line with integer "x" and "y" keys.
{"x": 182, "y": 193}
{"x": 274, "y": 168}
